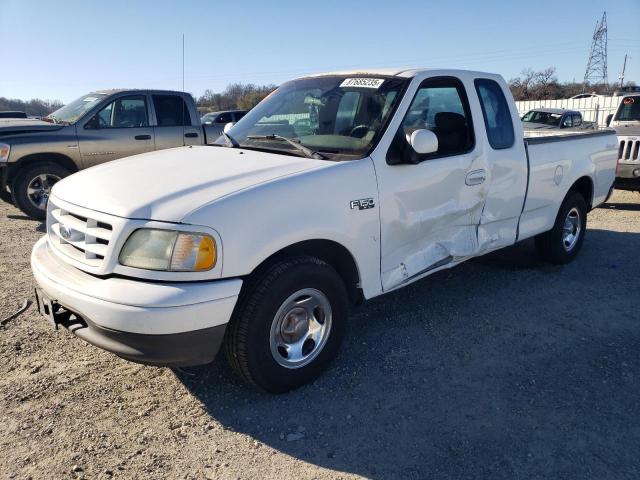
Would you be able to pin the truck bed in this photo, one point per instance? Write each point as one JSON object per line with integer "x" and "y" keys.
{"x": 557, "y": 160}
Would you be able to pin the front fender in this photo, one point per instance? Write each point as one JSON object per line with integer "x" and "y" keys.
{"x": 257, "y": 222}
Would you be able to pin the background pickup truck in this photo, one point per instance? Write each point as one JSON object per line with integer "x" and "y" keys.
{"x": 335, "y": 189}
{"x": 93, "y": 129}
{"x": 626, "y": 123}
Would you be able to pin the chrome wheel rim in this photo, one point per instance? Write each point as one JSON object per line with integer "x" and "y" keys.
{"x": 39, "y": 189}
{"x": 571, "y": 229}
{"x": 300, "y": 328}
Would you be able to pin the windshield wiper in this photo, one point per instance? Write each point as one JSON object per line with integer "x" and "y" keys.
{"x": 297, "y": 145}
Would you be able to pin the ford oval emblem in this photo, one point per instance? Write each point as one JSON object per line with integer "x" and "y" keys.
{"x": 65, "y": 232}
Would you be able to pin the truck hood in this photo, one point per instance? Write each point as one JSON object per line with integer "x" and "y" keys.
{"x": 169, "y": 184}
{"x": 14, "y": 126}
{"x": 627, "y": 129}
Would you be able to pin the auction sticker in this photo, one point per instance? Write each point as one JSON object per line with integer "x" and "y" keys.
{"x": 363, "y": 82}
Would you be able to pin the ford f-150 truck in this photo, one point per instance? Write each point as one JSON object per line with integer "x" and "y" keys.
{"x": 335, "y": 189}
{"x": 95, "y": 128}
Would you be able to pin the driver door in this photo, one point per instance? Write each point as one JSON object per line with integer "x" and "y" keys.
{"x": 430, "y": 208}
{"x": 119, "y": 129}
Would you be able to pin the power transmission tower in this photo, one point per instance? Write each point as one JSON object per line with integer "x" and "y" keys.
{"x": 596, "y": 72}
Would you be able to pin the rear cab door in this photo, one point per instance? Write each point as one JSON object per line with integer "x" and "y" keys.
{"x": 118, "y": 128}
{"x": 174, "y": 123}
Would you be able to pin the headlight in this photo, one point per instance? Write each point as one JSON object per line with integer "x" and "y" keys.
{"x": 168, "y": 250}
{"x": 4, "y": 152}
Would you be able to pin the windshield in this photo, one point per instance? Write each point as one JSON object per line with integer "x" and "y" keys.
{"x": 336, "y": 116}
{"x": 71, "y": 112}
{"x": 545, "y": 118}
{"x": 209, "y": 117}
{"x": 629, "y": 110}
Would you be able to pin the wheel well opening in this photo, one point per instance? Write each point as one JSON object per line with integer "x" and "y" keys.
{"x": 584, "y": 186}
{"x": 58, "y": 158}
{"x": 330, "y": 252}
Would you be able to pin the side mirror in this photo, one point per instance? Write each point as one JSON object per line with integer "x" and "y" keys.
{"x": 228, "y": 126}
{"x": 424, "y": 141}
{"x": 609, "y": 118}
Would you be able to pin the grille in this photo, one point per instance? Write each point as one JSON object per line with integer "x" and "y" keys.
{"x": 81, "y": 238}
{"x": 628, "y": 150}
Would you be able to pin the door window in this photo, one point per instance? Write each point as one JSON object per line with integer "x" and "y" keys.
{"x": 439, "y": 105}
{"x": 171, "y": 111}
{"x": 577, "y": 120}
{"x": 224, "y": 118}
{"x": 125, "y": 112}
{"x": 495, "y": 110}
{"x": 239, "y": 115}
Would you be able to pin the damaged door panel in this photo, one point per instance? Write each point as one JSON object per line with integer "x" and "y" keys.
{"x": 430, "y": 209}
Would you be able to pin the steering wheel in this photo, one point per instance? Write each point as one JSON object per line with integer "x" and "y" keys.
{"x": 361, "y": 129}
{"x": 102, "y": 123}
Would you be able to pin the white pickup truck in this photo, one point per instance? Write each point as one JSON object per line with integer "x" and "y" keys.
{"x": 335, "y": 189}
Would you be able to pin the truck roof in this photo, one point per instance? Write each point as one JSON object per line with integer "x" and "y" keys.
{"x": 403, "y": 72}
{"x": 113, "y": 91}
{"x": 553, "y": 110}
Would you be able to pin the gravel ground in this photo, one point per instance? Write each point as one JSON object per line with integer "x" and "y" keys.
{"x": 503, "y": 367}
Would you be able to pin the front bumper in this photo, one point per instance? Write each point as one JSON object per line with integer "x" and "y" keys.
{"x": 169, "y": 324}
{"x": 625, "y": 178}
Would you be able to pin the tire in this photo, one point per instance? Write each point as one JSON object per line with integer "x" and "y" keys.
{"x": 264, "y": 320}
{"x": 561, "y": 244}
{"x": 25, "y": 201}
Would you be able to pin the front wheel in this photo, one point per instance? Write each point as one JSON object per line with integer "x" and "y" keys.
{"x": 562, "y": 243}
{"x": 288, "y": 324}
{"x": 32, "y": 185}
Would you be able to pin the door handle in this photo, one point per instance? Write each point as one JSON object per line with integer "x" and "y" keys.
{"x": 475, "y": 177}
{"x": 142, "y": 137}
{"x": 191, "y": 135}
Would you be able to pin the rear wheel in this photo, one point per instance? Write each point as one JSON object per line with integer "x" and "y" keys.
{"x": 288, "y": 324}
{"x": 32, "y": 185}
{"x": 562, "y": 243}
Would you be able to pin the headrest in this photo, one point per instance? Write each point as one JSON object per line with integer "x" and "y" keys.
{"x": 449, "y": 121}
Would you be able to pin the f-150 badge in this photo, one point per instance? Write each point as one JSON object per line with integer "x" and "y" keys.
{"x": 362, "y": 204}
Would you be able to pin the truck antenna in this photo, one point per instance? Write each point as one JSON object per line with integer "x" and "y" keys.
{"x": 183, "y": 104}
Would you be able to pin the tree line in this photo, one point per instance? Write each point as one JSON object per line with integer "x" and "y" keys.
{"x": 34, "y": 107}
{"x": 237, "y": 96}
{"x": 529, "y": 85}
{"x": 544, "y": 85}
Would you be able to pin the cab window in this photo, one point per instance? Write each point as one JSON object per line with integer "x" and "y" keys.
{"x": 171, "y": 111}
{"x": 495, "y": 111}
{"x": 125, "y": 112}
{"x": 224, "y": 118}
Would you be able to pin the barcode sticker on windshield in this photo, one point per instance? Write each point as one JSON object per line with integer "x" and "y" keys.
{"x": 90, "y": 99}
{"x": 363, "y": 82}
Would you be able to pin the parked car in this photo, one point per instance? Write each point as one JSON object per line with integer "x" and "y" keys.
{"x": 12, "y": 114}
{"x": 96, "y": 128}
{"x": 335, "y": 189}
{"x": 626, "y": 123}
{"x": 551, "y": 118}
{"x": 218, "y": 120}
